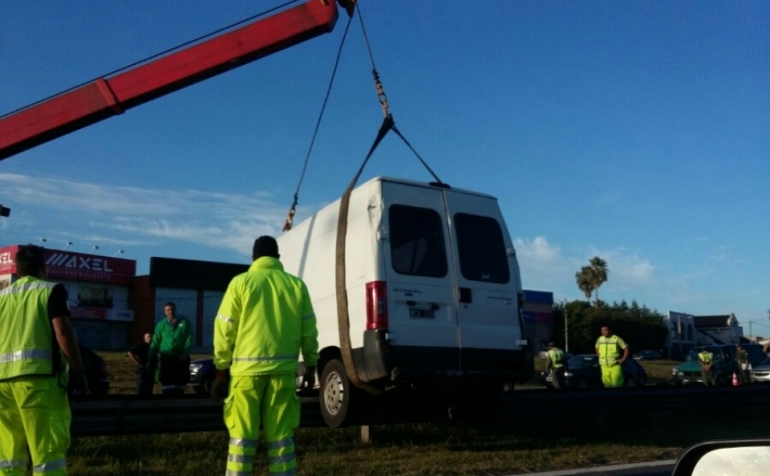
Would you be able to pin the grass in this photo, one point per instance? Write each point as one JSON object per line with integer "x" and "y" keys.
{"x": 422, "y": 449}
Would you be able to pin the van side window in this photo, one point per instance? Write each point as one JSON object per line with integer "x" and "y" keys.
{"x": 417, "y": 241}
{"x": 481, "y": 248}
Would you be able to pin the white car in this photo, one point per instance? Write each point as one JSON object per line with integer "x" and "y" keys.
{"x": 761, "y": 373}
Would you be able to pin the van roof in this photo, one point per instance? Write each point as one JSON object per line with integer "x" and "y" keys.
{"x": 416, "y": 183}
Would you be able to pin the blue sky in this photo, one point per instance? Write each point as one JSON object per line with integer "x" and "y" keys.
{"x": 635, "y": 131}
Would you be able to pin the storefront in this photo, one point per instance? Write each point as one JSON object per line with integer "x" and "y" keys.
{"x": 98, "y": 291}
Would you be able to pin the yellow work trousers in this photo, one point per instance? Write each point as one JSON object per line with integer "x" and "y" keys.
{"x": 34, "y": 414}
{"x": 269, "y": 400}
{"x": 612, "y": 376}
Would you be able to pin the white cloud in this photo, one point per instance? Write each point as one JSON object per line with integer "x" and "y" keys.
{"x": 114, "y": 214}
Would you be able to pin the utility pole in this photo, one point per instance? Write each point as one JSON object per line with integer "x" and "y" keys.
{"x": 751, "y": 333}
{"x": 566, "y": 329}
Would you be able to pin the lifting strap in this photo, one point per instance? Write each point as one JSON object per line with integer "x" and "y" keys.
{"x": 343, "y": 317}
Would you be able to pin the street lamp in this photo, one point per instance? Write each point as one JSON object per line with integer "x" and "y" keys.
{"x": 119, "y": 252}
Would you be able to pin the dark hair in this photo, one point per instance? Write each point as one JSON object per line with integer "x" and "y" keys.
{"x": 30, "y": 260}
{"x": 169, "y": 304}
{"x": 265, "y": 246}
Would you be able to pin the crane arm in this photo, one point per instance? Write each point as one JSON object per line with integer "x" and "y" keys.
{"x": 106, "y": 97}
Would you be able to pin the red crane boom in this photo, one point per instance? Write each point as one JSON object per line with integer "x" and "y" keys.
{"x": 106, "y": 97}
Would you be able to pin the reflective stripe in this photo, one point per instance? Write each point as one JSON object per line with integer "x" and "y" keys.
{"x": 262, "y": 359}
{"x": 281, "y": 459}
{"x": 25, "y": 355}
{"x": 243, "y": 443}
{"x": 13, "y": 463}
{"x": 230, "y": 472}
{"x": 226, "y": 319}
{"x": 280, "y": 443}
{"x": 240, "y": 458}
{"x": 309, "y": 316}
{"x": 288, "y": 472}
{"x": 27, "y": 287}
{"x": 50, "y": 466}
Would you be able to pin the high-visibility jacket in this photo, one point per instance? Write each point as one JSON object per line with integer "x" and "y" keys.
{"x": 266, "y": 318}
{"x": 557, "y": 358}
{"x": 26, "y": 339}
{"x": 706, "y": 357}
{"x": 609, "y": 349}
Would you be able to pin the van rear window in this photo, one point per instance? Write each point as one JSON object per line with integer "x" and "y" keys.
{"x": 482, "y": 249}
{"x": 417, "y": 241}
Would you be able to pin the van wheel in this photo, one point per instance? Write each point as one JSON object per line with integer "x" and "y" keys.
{"x": 337, "y": 396}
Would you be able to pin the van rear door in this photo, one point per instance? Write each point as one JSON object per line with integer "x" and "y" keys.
{"x": 486, "y": 274}
{"x": 422, "y": 321}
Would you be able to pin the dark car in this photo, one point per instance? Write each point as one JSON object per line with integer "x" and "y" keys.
{"x": 583, "y": 372}
{"x": 202, "y": 373}
{"x": 648, "y": 355}
{"x": 96, "y": 373}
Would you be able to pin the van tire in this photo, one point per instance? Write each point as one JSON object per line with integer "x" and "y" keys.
{"x": 336, "y": 395}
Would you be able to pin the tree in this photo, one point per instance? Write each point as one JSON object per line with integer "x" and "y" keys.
{"x": 599, "y": 273}
{"x": 584, "y": 281}
{"x": 591, "y": 277}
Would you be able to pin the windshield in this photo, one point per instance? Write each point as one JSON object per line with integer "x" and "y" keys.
{"x": 581, "y": 361}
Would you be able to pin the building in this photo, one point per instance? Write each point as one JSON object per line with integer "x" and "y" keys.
{"x": 98, "y": 291}
{"x": 537, "y": 312}
{"x": 686, "y": 331}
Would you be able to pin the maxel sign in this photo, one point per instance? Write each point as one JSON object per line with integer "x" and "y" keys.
{"x": 86, "y": 263}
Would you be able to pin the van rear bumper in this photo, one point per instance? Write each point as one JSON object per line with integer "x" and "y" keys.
{"x": 378, "y": 360}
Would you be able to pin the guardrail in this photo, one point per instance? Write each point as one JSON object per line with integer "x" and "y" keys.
{"x": 130, "y": 414}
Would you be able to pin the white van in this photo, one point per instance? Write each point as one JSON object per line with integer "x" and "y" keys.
{"x": 433, "y": 287}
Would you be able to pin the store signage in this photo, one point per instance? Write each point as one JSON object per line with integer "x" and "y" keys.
{"x": 76, "y": 266}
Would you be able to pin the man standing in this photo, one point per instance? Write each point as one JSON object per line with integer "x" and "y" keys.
{"x": 173, "y": 340}
{"x": 145, "y": 374}
{"x": 36, "y": 331}
{"x": 706, "y": 360}
{"x": 555, "y": 365}
{"x": 608, "y": 348}
{"x": 266, "y": 318}
{"x": 742, "y": 365}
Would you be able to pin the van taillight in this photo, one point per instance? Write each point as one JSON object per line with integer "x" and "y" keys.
{"x": 376, "y": 305}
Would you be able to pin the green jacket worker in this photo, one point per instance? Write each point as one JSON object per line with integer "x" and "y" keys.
{"x": 35, "y": 342}
{"x": 170, "y": 346}
{"x": 265, "y": 320}
{"x": 608, "y": 348}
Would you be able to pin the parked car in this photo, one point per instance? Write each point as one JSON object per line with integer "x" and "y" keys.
{"x": 648, "y": 355}
{"x": 202, "y": 373}
{"x": 688, "y": 372}
{"x": 583, "y": 372}
{"x": 761, "y": 372}
{"x": 96, "y": 373}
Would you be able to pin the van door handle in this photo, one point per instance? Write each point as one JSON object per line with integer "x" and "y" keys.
{"x": 465, "y": 295}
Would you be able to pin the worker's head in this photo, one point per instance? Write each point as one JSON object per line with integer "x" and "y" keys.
{"x": 170, "y": 310}
{"x": 147, "y": 337}
{"x": 606, "y": 331}
{"x": 551, "y": 345}
{"x": 265, "y": 246}
{"x": 30, "y": 261}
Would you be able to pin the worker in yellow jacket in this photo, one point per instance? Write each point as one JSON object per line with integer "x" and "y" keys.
{"x": 608, "y": 347}
{"x": 34, "y": 410}
{"x": 265, "y": 320}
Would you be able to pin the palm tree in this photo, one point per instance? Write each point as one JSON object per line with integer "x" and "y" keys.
{"x": 585, "y": 281}
{"x": 599, "y": 273}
